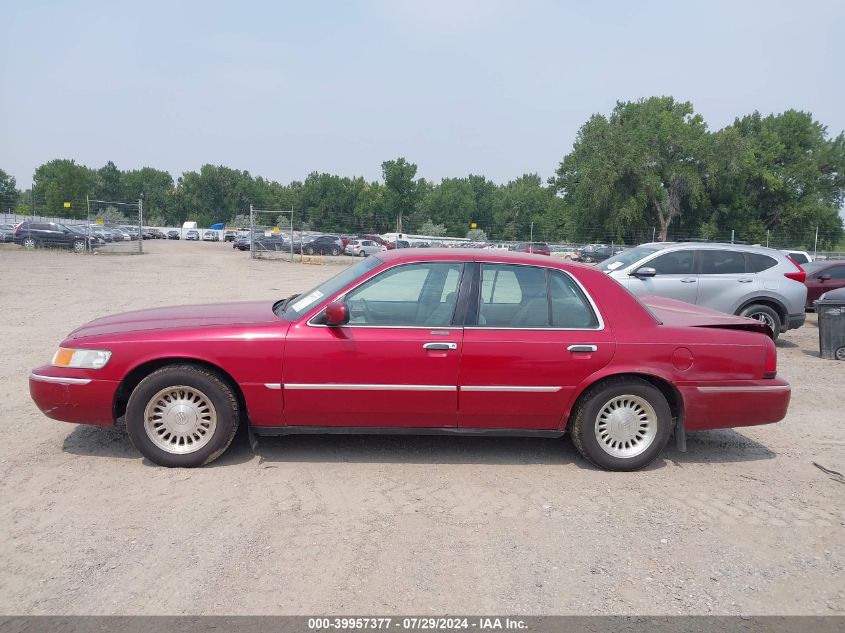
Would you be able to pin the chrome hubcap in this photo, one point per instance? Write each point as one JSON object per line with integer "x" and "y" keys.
{"x": 180, "y": 419}
{"x": 28, "y": 243}
{"x": 79, "y": 246}
{"x": 763, "y": 318}
{"x": 626, "y": 426}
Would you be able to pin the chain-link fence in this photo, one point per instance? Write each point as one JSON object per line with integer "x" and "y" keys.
{"x": 271, "y": 234}
{"x": 115, "y": 227}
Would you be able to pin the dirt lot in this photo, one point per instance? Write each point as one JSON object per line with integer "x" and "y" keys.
{"x": 741, "y": 523}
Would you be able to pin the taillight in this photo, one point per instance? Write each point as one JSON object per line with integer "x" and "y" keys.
{"x": 18, "y": 229}
{"x": 770, "y": 363}
{"x": 799, "y": 276}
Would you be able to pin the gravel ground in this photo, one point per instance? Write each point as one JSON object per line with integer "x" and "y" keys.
{"x": 743, "y": 523}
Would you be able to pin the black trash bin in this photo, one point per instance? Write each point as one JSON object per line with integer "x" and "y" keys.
{"x": 831, "y": 311}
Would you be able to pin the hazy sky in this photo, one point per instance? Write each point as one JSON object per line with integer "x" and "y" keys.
{"x": 282, "y": 89}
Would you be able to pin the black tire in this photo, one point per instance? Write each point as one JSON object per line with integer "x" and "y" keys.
{"x": 309, "y": 251}
{"x": 760, "y": 312}
{"x": 584, "y": 422}
{"x": 78, "y": 246}
{"x": 218, "y": 392}
{"x": 335, "y": 251}
{"x": 29, "y": 243}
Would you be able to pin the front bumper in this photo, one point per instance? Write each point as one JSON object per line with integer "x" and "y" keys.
{"x": 795, "y": 321}
{"x": 73, "y": 395}
{"x": 740, "y": 403}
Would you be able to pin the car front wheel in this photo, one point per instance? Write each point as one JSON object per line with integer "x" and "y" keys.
{"x": 182, "y": 416}
{"x": 29, "y": 242}
{"x": 78, "y": 246}
{"x": 622, "y": 424}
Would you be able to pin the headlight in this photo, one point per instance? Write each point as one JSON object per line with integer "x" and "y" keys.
{"x": 81, "y": 358}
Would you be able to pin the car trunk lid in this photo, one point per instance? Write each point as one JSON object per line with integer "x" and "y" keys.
{"x": 672, "y": 312}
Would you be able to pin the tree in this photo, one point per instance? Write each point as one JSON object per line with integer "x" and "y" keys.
{"x": 61, "y": 181}
{"x": 477, "y": 235}
{"x": 643, "y": 164}
{"x": 778, "y": 175}
{"x": 400, "y": 187}
{"x": 9, "y": 194}
{"x": 155, "y": 186}
{"x": 521, "y": 202}
{"x": 434, "y": 230}
{"x": 108, "y": 184}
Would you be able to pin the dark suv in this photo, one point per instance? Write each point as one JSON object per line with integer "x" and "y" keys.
{"x": 32, "y": 234}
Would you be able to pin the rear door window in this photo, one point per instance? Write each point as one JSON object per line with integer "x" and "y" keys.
{"x": 715, "y": 262}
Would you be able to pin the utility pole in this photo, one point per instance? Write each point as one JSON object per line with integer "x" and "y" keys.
{"x": 732, "y": 236}
{"x": 816, "y": 245}
{"x": 767, "y": 238}
{"x": 252, "y": 232}
{"x": 141, "y": 224}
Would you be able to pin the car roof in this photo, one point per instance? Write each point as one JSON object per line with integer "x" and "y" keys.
{"x": 474, "y": 255}
{"x": 722, "y": 246}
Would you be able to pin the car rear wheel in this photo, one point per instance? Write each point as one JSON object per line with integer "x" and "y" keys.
{"x": 335, "y": 251}
{"x": 182, "y": 416}
{"x": 29, "y": 242}
{"x": 622, "y": 424}
{"x": 78, "y": 246}
{"x": 309, "y": 251}
{"x": 764, "y": 314}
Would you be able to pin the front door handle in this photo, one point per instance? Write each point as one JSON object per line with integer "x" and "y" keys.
{"x": 582, "y": 348}
{"x": 745, "y": 281}
{"x": 688, "y": 280}
{"x": 441, "y": 346}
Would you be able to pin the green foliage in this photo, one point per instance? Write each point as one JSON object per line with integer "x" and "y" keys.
{"x": 434, "y": 230}
{"x": 401, "y": 191}
{"x": 9, "y": 194}
{"x": 644, "y": 165}
{"x": 61, "y": 181}
{"x": 477, "y": 235}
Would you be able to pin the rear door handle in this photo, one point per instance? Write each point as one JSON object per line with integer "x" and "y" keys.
{"x": 745, "y": 281}
{"x": 582, "y": 348}
{"x": 440, "y": 345}
{"x": 688, "y": 280}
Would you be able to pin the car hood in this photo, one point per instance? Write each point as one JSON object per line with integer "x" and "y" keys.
{"x": 208, "y": 315}
{"x": 674, "y": 313}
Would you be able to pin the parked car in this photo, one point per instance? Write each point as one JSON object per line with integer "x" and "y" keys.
{"x": 192, "y": 235}
{"x": 799, "y": 257}
{"x": 596, "y": 253}
{"x": 538, "y": 248}
{"x": 822, "y": 277}
{"x": 322, "y": 245}
{"x": 751, "y": 281}
{"x": 51, "y": 234}
{"x": 378, "y": 239}
{"x": 362, "y": 248}
{"x": 7, "y": 233}
{"x": 531, "y": 346}
{"x": 229, "y": 236}
{"x": 271, "y": 243}
{"x": 158, "y": 234}
{"x": 210, "y": 236}
{"x": 120, "y": 235}
{"x": 173, "y": 234}
{"x": 402, "y": 244}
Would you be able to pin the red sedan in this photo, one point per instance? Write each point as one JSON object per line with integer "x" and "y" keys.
{"x": 823, "y": 276}
{"x": 456, "y": 341}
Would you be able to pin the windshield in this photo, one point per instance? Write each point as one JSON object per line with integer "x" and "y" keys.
{"x": 626, "y": 258}
{"x": 294, "y": 307}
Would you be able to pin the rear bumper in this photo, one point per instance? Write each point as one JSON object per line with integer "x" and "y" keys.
{"x": 795, "y": 321}
{"x": 742, "y": 403}
{"x": 73, "y": 396}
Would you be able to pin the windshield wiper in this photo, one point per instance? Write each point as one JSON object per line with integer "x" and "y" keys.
{"x": 285, "y": 303}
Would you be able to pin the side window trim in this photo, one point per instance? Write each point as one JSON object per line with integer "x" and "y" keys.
{"x": 454, "y": 323}
{"x": 474, "y": 301}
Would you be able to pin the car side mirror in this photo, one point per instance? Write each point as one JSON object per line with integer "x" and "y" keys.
{"x": 644, "y": 271}
{"x": 337, "y": 313}
{"x": 825, "y": 277}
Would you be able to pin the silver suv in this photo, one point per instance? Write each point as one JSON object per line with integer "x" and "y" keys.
{"x": 752, "y": 281}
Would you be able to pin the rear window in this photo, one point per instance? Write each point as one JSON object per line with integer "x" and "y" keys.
{"x": 757, "y": 262}
{"x": 798, "y": 258}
